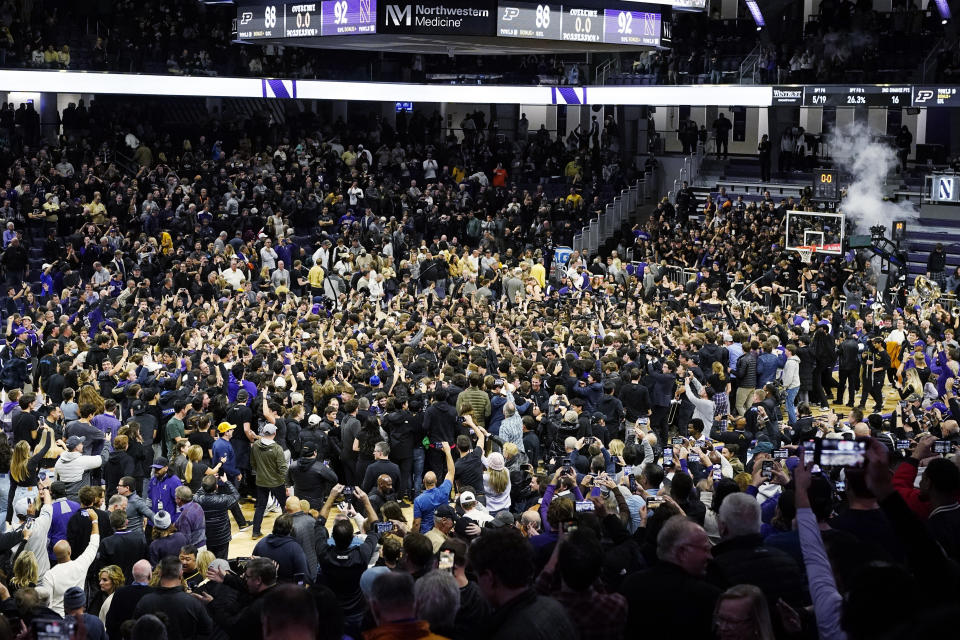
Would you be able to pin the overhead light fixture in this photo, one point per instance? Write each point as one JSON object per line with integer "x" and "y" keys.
{"x": 943, "y": 8}
{"x": 756, "y": 13}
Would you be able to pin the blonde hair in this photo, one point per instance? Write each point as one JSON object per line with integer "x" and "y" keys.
{"x": 510, "y": 450}
{"x": 115, "y": 574}
{"x": 18, "y": 462}
{"x": 194, "y": 453}
{"x": 717, "y": 368}
{"x": 204, "y": 560}
{"x": 25, "y": 570}
{"x": 616, "y": 447}
{"x": 499, "y": 480}
{"x": 912, "y": 380}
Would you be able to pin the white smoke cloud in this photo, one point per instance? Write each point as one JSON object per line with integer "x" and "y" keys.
{"x": 868, "y": 162}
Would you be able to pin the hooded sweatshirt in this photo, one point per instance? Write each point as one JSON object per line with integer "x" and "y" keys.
{"x": 791, "y": 373}
{"x": 119, "y": 464}
{"x": 286, "y": 552}
{"x": 71, "y": 468}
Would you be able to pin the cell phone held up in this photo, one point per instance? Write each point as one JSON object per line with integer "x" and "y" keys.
{"x": 766, "y": 471}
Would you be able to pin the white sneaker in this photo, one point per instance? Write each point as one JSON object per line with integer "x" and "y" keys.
{"x": 274, "y": 508}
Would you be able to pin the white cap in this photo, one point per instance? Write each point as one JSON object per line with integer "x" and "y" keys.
{"x": 280, "y": 383}
{"x": 314, "y": 419}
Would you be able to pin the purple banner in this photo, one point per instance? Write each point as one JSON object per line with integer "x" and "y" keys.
{"x": 348, "y": 17}
{"x": 631, "y": 27}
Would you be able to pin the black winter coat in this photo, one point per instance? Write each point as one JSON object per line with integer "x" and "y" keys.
{"x": 216, "y": 509}
{"x": 744, "y": 560}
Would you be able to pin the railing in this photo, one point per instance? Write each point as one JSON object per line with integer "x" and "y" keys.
{"x": 929, "y": 68}
{"x": 605, "y": 70}
{"x": 604, "y": 226}
{"x": 749, "y": 66}
{"x": 690, "y": 171}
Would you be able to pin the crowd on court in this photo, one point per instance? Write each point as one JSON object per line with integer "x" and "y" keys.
{"x": 461, "y": 435}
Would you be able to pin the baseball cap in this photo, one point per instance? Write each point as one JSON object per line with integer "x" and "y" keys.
{"x": 223, "y": 427}
{"x": 268, "y": 430}
{"x": 597, "y": 415}
{"x": 466, "y": 497}
{"x": 502, "y": 519}
{"x": 314, "y": 419}
{"x": 570, "y": 416}
{"x": 74, "y": 441}
{"x": 445, "y": 511}
{"x": 374, "y": 381}
{"x": 296, "y": 397}
{"x": 160, "y": 462}
{"x": 280, "y": 383}
{"x": 763, "y": 447}
{"x": 308, "y": 449}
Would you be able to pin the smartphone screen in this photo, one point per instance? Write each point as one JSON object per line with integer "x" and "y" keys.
{"x": 667, "y": 456}
{"x": 781, "y": 454}
{"x": 942, "y": 446}
{"x": 903, "y": 445}
{"x": 840, "y": 453}
{"x": 766, "y": 471}
{"x": 584, "y": 505}
{"x": 717, "y": 475}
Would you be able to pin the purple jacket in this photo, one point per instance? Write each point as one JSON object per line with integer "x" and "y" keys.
{"x": 545, "y": 504}
{"x": 163, "y": 547}
{"x": 164, "y": 491}
{"x": 191, "y": 523}
{"x": 63, "y": 510}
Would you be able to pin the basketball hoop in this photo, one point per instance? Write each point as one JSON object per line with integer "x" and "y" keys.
{"x": 806, "y": 253}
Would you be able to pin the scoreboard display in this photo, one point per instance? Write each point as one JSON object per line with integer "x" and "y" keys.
{"x": 579, "y": 24}
{"x": 826, "y": 185}
{"x": 631, "y": 24}
{"x": 856, "y": 96}
{"x": 307, "y": 20}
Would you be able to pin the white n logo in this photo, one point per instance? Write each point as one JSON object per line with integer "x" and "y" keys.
{"x": 397, "y": 15}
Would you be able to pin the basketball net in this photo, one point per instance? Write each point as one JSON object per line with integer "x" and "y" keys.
{"x": 806, "y": 253}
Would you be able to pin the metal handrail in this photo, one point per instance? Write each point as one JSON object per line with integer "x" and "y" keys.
{"x": 600, "y": 229}
{"x": 749, "y": 64}
{"x": 930, "y": 62}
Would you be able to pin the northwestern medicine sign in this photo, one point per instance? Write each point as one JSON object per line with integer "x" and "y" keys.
{"x": 446, "y": 17}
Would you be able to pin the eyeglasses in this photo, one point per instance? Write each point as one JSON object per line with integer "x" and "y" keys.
{"x": 722, "y": 621}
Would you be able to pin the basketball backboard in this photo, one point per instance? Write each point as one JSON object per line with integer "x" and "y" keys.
{"x": 819, "y": 232}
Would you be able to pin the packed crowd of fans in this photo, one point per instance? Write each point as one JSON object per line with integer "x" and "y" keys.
{"x": 367, "y": 331}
